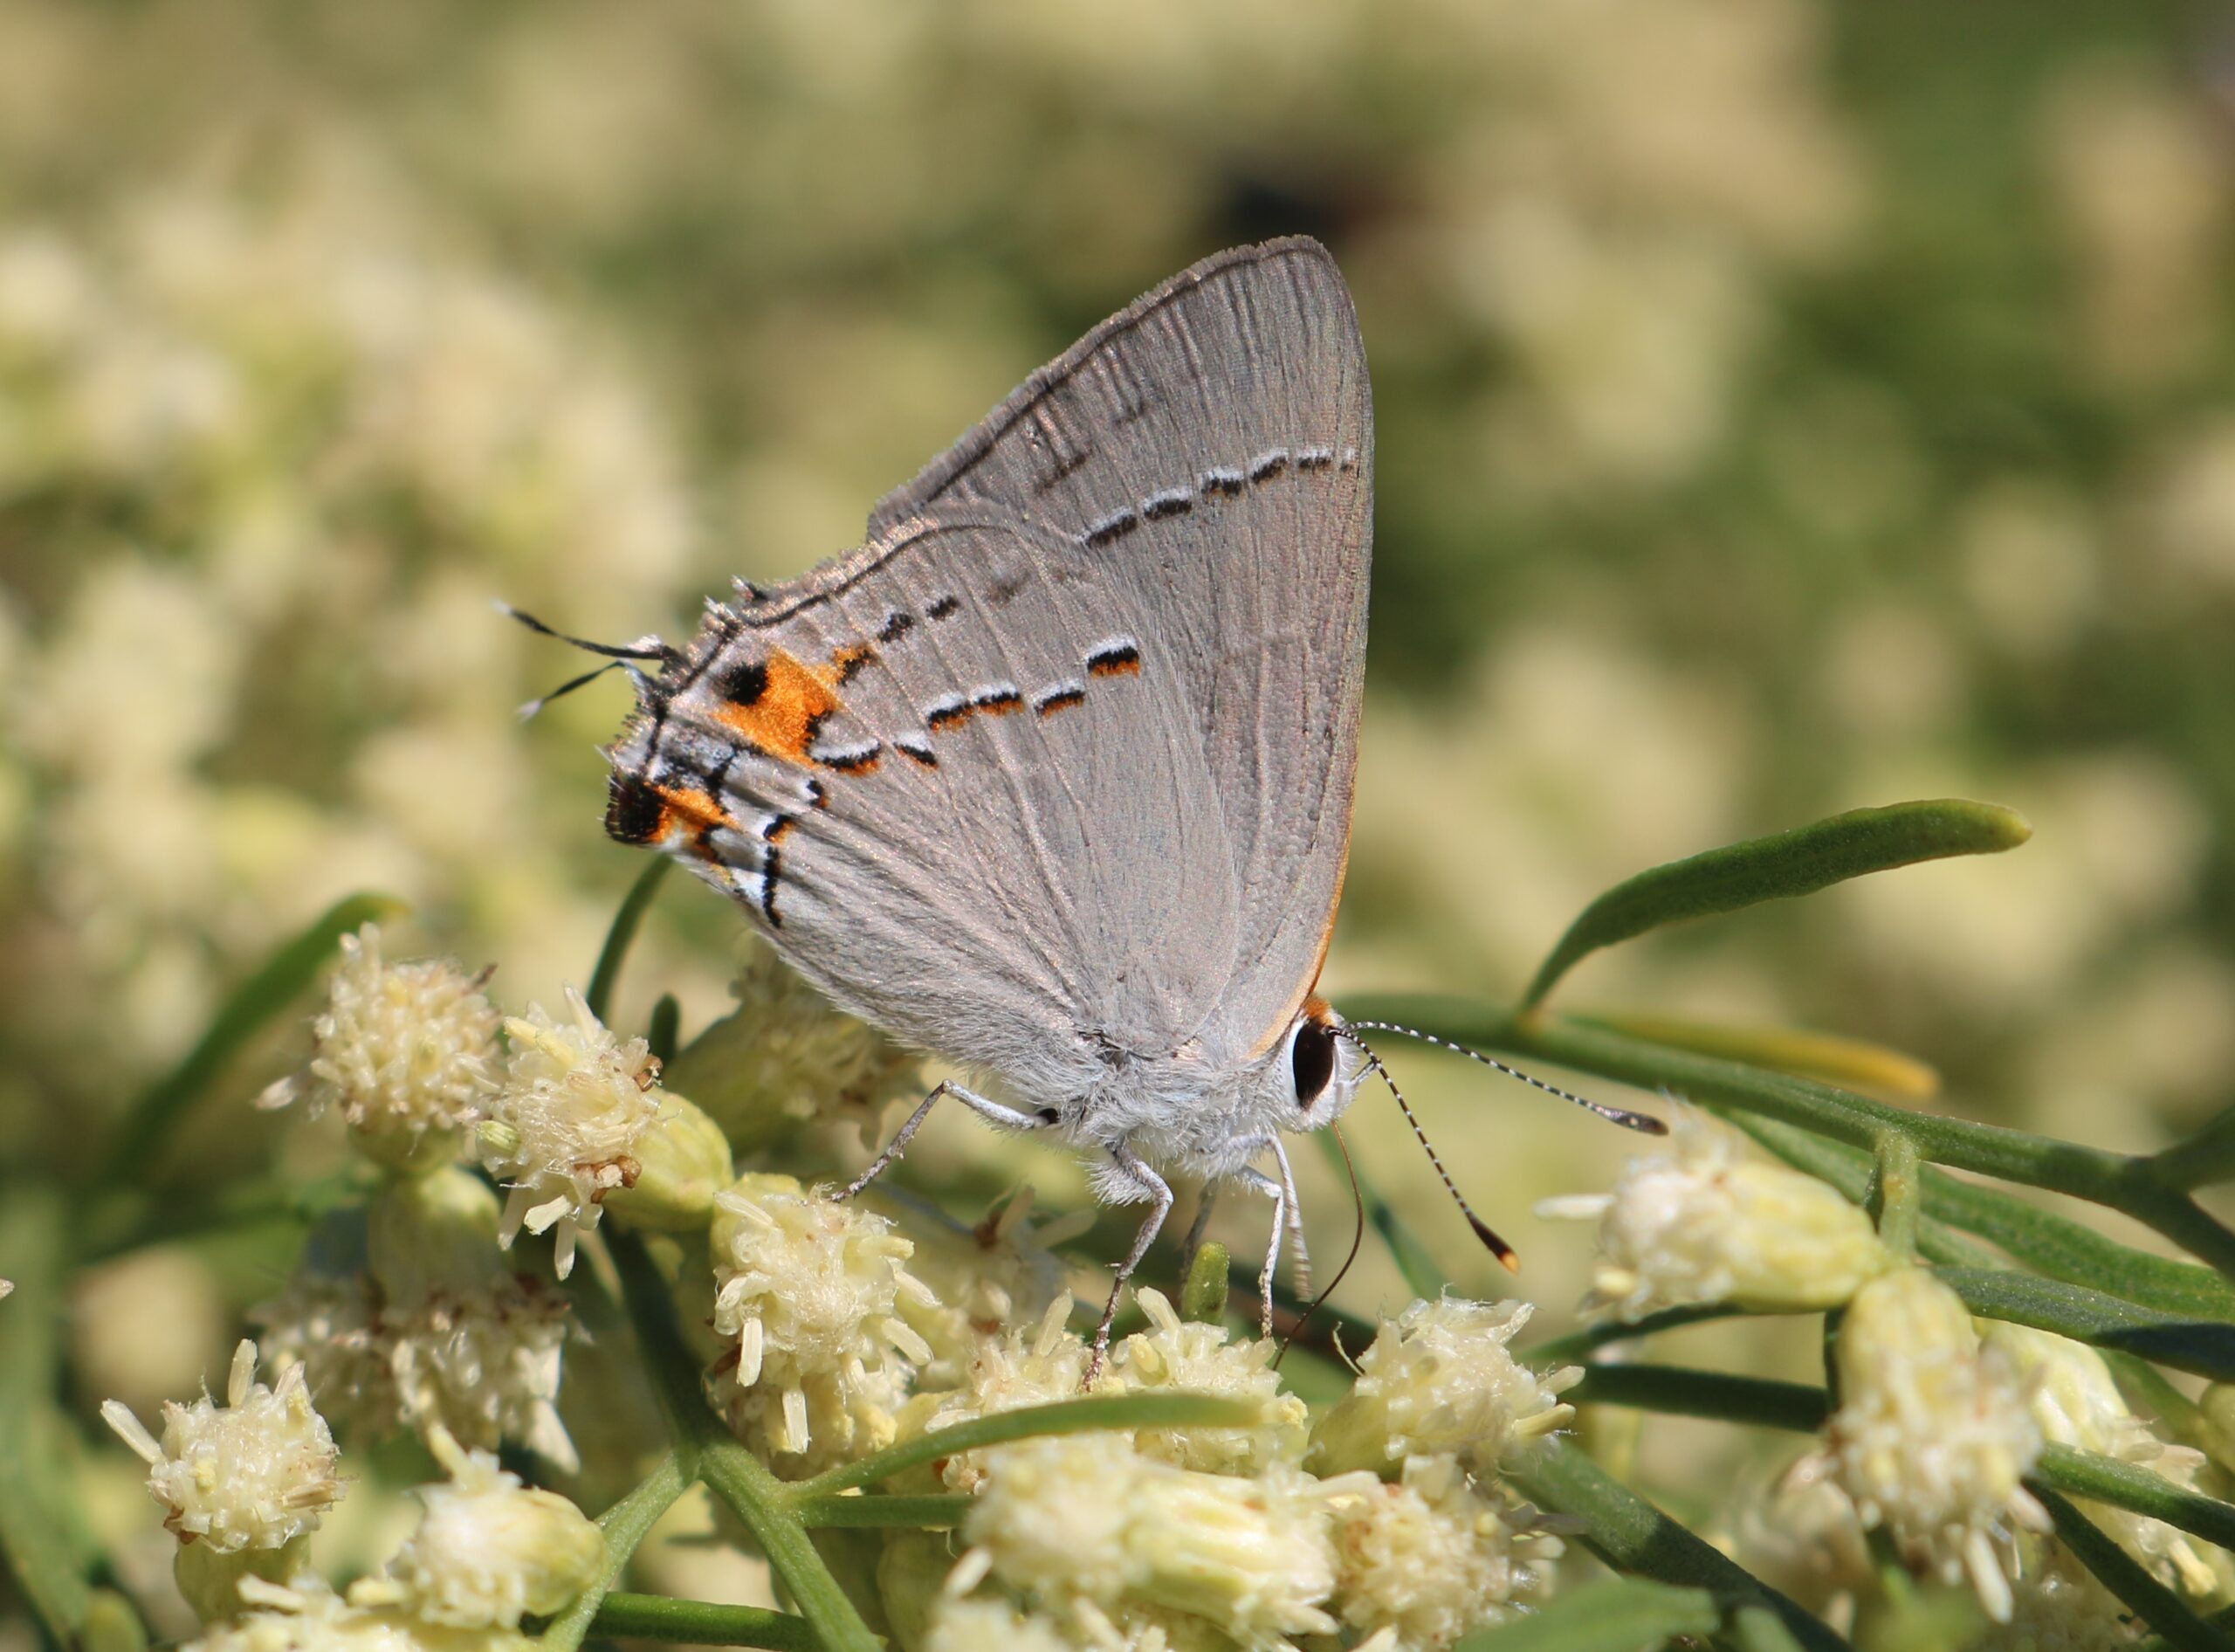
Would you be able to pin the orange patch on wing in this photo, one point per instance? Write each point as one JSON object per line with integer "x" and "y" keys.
{"x": 1125, "y": 665}
{"x": 697, "y": 812}
{"x": 781, "y": 720}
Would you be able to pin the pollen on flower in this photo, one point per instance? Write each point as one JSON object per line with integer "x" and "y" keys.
{"x": 809, "y": 1288}
{"x": 1933, "y": 1437}
{"x": 1039, "y": 1366}
{"x": 998, "y": 1274}
{"x": 402, "y": 1051}
{"x": 254, "y": 1473}
{"x": 1706, "y": 1223}
{"x": 1431, "y": 1559}
{"x": 489, "y": 1550}
{"x": 574, "y": 1101}
{"x": 1439, "y": 1379}
{"x": 1201, "y": 1358}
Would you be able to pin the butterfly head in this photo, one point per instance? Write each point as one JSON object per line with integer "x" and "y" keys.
{"x": 1316, "y": 1073}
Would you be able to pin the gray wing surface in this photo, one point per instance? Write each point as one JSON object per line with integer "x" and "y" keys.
{"x": 1212, "y": 448}
{"x": 999, "y": 839}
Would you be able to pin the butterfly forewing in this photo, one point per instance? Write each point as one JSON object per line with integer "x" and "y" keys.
{"x": 1214, "y": 443}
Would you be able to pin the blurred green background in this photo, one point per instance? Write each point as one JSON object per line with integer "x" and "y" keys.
{"x": 1781, "y": 408}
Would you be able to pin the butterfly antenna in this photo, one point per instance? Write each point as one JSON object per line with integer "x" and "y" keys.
{"x": 1358, "y": 1239}
{"x": 573, "y": 683}
{"x": 1644, "y": 1122}
{"x": 1483, "y": 1231}
{"x": 642, "y": 648}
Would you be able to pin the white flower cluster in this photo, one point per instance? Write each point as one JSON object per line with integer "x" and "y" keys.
{"x": 1706, "y": 1221}
{"x": 561, "y": 1134}
{"x": 809, "y": 1290}
{"x": 256, "y": 1472}
{"x": 406, "y": 1053}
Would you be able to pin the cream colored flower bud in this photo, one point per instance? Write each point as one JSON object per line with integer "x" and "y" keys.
{"x": 575, "y": 1102}
{"x": 808, "y": 1288}
{"x": 1439, "y": 1379}
{"x": 433, "y": 1236}
{"x": 1706, "y": 1223}
{"x": 306, "y": 1616}
{"x": 2070, "y": 1391}
{"x": 992, "y": 1626}
{"x": 1933, "y": 1437}
{"x": 209, "y": 1579}
{"x": 406, "y": 1053}
{"x": 489, "y": 1550}
{"x": 682, "y": 1160}
{"x": 253, "y": 1474}
{"x": 1000, "y": 1273}
{"x": 786, "y": 1056}
{"x": 1431, "y": 1559}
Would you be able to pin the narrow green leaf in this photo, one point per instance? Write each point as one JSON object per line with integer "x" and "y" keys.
{"x": 1849, "y": 1170}
{"x": 1617, "y": 1615}
{"x": 1632, "y": 1536}
{"x": 2125, "y": 1576}
{"x": 623, "y": 935}
{"x": 44, "y": 1548}
{"x": 664, "y": 1032}
{"x": 2206, "y": 1157}
{"x": 2114, "y": 1179}
{"x": 1149, "y": 1410}
{"x": 137, "y": 1148}
{"x": 2204, "y": 1346}
{"x": 624, "y": 1526}
{"x": 1574, "y": 1345}
{"x": 1755, "y": 1629}
{"x": 2128, "y": 1485}
{"x": 1422, "y": 1277}
{"x": 1203, "y": 1298}
{"x": 1681, "y": 1391}
{"x": 654, "y": 1617}
{"x": 1779, "y": 867}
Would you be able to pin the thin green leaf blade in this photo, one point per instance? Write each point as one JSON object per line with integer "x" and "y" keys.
{"x": 628, "y": 919}
{"x": 1620, "y": 1615}
{"x": 1780, "y": 867}
{"x": 40, "y": 1540}
{"x": 254, "y": 1004}
{"x": 2204, "y": 1347}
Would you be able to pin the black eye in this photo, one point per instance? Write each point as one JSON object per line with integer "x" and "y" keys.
{"x": 1311, "y": 1059}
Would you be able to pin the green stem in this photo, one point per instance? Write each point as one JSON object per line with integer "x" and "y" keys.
{"x": 931, "y": 1510}
{"x": 2129, "y": 1486}
{"x": 1682, "y": 1392}
{"x": 2125, "y": 1576}
{"x": 40, "y": 1539}
{"x": 1066, "y": 1417}
{"x": 733, "y": 1473}
{"x": 625, "y": 1525}
{"x": 1579, "y": 1345}
{"x": 2116, "y": 1181}
{"x": 1896, "y": 1192}
{"x": 653, "y": 1617}
{"x": 623, "y": 935}
{"x": 2206, "y": 1157}
{"x": 1632, "y": 1535}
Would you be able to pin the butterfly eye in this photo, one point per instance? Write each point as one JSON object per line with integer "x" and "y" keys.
{"x": 1311, "y": 1060}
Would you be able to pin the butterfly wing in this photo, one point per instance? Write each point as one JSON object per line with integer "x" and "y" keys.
{"x": 1213, "y": 443}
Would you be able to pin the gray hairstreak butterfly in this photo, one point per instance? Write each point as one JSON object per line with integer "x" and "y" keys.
{"x": 1052, "y": 777}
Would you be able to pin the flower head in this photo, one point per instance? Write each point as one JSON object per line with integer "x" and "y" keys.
{"x": 489, "y": 1550}
{"x": 1084, "y": 1522}
{"x": 1933, "y": 1437}
{"x": 1019, "y": 1369}
{"x": 254, "y": 1473}
{"x": 1201, "y": 1358}
{"x": 1439, "y": 1379}
{"x": 305, "y": 1614}
{"x": 998, "y": 1275}
{"x": 561, "y": 1131}
{"x": 809, "y": 1288}
{"x": 404, "y": 1052}
{"x": 1433, "y": 1559}
{"x": 1705, "y": 1222}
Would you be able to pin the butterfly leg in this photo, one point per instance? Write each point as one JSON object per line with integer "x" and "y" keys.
{"x": 1278, "y": 1193}
{"x": 992, "y": 1111}
{"x": 1134, "y": 1170}
{"x": 1295, "y": 1212}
